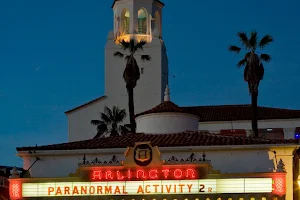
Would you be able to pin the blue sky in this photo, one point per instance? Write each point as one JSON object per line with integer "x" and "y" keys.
{"x": 52, "y": 59}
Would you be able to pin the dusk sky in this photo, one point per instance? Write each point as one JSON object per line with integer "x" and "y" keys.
{"x": 52, "y": 60}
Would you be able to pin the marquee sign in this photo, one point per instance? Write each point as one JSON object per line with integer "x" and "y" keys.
{"x": 143, "y": 172}
{"x": 155, "y": 187}
{"x": 162, "y": 173}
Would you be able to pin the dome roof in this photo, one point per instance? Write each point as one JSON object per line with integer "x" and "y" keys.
{"x": 167, "y": 117}
{"x": 166, "y": 106}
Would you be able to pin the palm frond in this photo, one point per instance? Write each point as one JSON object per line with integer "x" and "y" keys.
{"x": 119, "y": 54}
{"x": 125, "y": 45}
{"x": 102, "y": 128}
{"x": 125, "y": 129}
{"x": 109, "y": 123}
{"x": 140, "y": 45}
{"x": 267, "y": 39}
{"x": 145, "y": 57}
{"x": 114, "y": 133}
{"x": 105, "y": 118}
{"x": 233, "y": 48}
{"x": 241, "y": 62}
{"x": 244, "y": 39}
{"x": 265, "y": 57}
{"x": 96, "y": 122}
{"x": 119, "y": 115}
{"x": 253, "y": 40}
{"x": 109, "y": 113}
{"x": 115, "y": 111}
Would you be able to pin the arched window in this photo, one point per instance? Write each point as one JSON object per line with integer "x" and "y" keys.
{"x": 142, "y": 21}
{"x": 125, "y": 21}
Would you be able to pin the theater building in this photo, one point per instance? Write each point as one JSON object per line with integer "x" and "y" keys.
{"x": 141, "y": 172}
{"x": 162, "y": 162}
{"x": 188, "y": 153}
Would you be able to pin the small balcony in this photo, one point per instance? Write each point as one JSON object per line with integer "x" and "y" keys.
{"x": 142, "y": 30}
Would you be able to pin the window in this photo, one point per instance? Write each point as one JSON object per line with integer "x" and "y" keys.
{"x": 142, "y": 21}
{"x": 234, "y": 132}
{"x": 271, "y": 133}
{"x": 125, "y": 21}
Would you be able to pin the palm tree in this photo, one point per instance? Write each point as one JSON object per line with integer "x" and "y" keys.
{"x": 131, "y": 73}
{"x": 109, "y": 123}
{"x": 254, "y": 69}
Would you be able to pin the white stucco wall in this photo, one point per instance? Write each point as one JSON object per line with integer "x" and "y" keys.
{"x": 79, "y": 126}
{"x": 167, "y": 123}
{"x": 228, "y": 159}
{"x": 288, "y": 126}
{"x": 149, "y": 90}
{"x": 147, "y": 94}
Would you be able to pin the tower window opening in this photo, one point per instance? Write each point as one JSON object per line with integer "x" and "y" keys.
{"x": 125, "y": 23}
{"x": 142, "y": 22}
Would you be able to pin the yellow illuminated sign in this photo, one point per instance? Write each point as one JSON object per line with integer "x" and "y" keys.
{"x": 200, "y": 186}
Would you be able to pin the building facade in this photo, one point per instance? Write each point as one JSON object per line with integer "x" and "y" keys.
{"x": 230, "y": 159}
{"x": 209, "y": 147}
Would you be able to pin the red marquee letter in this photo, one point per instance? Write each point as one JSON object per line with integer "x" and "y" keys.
{"x": 108, "y": 174}
{"x": 190, "y": 173}
{"x": 138, "y": 172}
{"x": 153, "y": 174}
{"x": 119, "y": 176}
{"x": 97, "y": 175}
{"x": 165, "y": 172}
{"x": 177, "y": 173}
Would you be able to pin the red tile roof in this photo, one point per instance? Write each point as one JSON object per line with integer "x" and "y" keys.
{"x": 225, "y": 112}
{"x": 161, "y": 140}
{"x": 239, "y": 112}
{"x": 166, "y": 106}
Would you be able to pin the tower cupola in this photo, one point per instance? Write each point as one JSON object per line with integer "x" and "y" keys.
{"x": 137, "y": 19}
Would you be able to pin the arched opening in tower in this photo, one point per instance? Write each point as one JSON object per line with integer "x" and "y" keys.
{"x": 125, "y": 18}
{"x": 142, "y": 21}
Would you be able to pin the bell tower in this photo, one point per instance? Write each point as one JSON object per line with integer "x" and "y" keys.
{"x": 139, "y": 19}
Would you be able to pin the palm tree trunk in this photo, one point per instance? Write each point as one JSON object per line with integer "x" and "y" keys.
{"x": 254, "y": 96}
{"x": 131, "y": 108}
